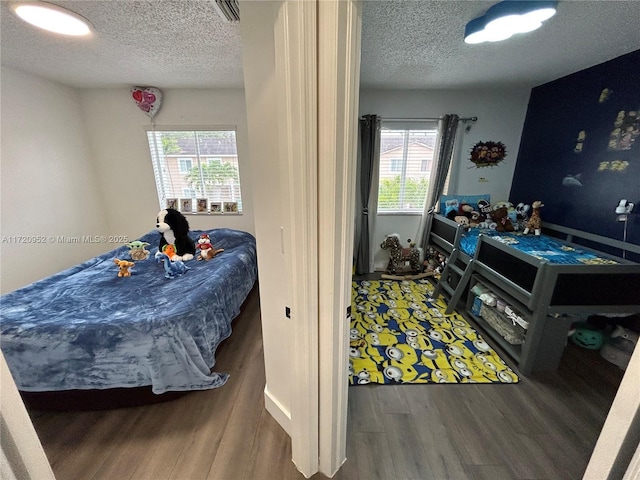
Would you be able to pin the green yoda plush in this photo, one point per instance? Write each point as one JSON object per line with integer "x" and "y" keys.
{"x": 137, "y": 250}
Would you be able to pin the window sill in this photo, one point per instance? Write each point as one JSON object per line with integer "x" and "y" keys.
{"x": 212, "y": 214}
{"x": 400, "y": 214}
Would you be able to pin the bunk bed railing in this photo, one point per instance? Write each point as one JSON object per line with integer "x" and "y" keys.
{"x": 519, "y": 272}
{"x": 572, "y": 236}
{"x": 445, "y": 233}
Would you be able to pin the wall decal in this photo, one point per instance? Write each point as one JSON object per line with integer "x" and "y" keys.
{"x": 604, "y": 95}
{"x": 580, "y": 141}
{"x": 572, "y": 180}
{"x": 488, "y": 154}
{"x": 614, "y": 166}
{"x": 627, "y": 129}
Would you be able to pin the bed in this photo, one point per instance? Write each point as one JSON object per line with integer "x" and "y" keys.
{"x": 548, "y": 279}
{"x": 86, "y": 328}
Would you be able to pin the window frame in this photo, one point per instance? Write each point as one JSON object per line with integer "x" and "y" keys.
{"x": 407, "y": 127}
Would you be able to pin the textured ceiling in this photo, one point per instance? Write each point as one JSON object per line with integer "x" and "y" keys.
{"x": 405, "y": 44}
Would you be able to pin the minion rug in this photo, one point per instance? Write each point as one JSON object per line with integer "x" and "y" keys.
{"x": 399, "y": 334}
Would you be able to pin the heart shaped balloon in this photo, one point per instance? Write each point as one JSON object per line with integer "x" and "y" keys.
{"x": 148, "y": 99}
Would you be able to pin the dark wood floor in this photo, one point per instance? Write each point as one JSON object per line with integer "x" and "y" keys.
{"x": 542, "y": 428}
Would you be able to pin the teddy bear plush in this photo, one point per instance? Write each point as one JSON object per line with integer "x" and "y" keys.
{"x": 501, "y": 217}
{"x": 174, "y": 230}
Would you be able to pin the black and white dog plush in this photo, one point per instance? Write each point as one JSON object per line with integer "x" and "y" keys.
{"x": 174, "y": 230}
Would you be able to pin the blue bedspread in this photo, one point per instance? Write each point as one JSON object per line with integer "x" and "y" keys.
{"x": 86, "y": 328}
{"x": 539, "y": 246}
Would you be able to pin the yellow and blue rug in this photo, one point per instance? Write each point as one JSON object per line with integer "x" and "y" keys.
{"x": 400, "y": 334}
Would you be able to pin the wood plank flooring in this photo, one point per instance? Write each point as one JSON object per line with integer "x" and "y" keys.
{"x": 545, "y": 427}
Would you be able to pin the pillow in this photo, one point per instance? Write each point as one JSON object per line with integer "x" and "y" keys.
{"x": 450, "y": 202}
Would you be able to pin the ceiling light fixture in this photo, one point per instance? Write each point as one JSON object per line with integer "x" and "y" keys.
{"x": 508, "y": 18}
{"x": 52, "y": 18}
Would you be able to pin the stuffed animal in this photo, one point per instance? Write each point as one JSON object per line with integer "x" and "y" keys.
{"x": 171, "y": 269}
{"x": 501, "y": 217}
{"x": 124, "y": 267}
{"x": 207, "y": 252}
{"x": 170, "y": 251}
{"x": 535, "y": 222}
{"x": 485, "y": 210}
{"x": 476, "y": 219}
{"x": 459, "y": 219}
{"x": 522, "y": 215}
{"x": 174, "y": 229}
{"x": 137, "y": 250}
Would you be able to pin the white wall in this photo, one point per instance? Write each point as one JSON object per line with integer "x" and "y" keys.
{"x": 270, "y": 196}
{"x": 501, "y": 115}
{"x": 76, "y": 163}
{"x": 49, "y": 185}
{"x": 119, "y": 148}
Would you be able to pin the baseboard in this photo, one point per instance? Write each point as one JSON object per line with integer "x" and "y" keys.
{"x": 277, "y": 411}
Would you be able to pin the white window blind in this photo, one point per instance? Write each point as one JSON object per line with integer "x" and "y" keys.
{"x": 406, "y": 160}
{"x": 195, "y": 164}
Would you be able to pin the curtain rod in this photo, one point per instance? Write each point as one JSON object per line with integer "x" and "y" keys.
{"x": 464, "y": 119}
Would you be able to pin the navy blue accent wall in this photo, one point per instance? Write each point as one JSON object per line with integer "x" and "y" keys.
{"x": 548, "y": 162}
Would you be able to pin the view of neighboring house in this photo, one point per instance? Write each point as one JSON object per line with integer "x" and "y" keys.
{"x": 406, "y": 158}
{"x": 202, "y": 167}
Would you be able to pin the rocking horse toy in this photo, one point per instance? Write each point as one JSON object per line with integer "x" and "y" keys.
{"x": 399, "y": 257}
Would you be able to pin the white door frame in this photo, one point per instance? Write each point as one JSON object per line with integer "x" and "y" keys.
{"x": 296, "y": 72}
{"x": 338, "y": 93}
{"x": 318, "y": 73}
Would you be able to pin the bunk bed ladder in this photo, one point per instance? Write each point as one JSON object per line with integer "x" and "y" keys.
{"x": 444, "y": 286}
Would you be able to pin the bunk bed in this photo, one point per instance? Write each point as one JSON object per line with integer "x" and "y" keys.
{"x": 546, "y": 289}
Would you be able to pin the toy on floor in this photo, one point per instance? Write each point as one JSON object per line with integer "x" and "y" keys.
{"x": 124, "y": 267}
{"x": 399, "y": 256}
{"x": 619, "y": 347}
{"x": 207, "y": 251}
{"x": 137, "y": 250}
{"x": 174, "y": 229}
{"x": 588, "y": 338}
{"x": 535, "y": 222}
{"x": 171, "y": 269}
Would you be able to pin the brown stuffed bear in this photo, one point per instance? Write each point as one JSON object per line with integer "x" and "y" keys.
{"x": 503, "y": 222}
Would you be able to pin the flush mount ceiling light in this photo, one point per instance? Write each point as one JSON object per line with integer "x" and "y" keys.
{"x": 508, "y": 18}
{"x": 52, "y": 18}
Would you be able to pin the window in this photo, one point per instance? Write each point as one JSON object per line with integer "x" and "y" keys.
{"x": 195, "y": 164}
{"x": 406, "y": 157}
{"x": 184, "y": 165}
{"x": 188, "y": 193}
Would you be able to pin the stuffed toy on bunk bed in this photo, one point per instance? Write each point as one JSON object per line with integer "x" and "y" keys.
{"x": 501, "y": 217}
{"x": 535, "y": 222}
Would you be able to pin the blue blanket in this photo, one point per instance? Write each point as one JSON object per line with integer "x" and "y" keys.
{"x": 539, "y": 246}
{"x": 87, "y": 328}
